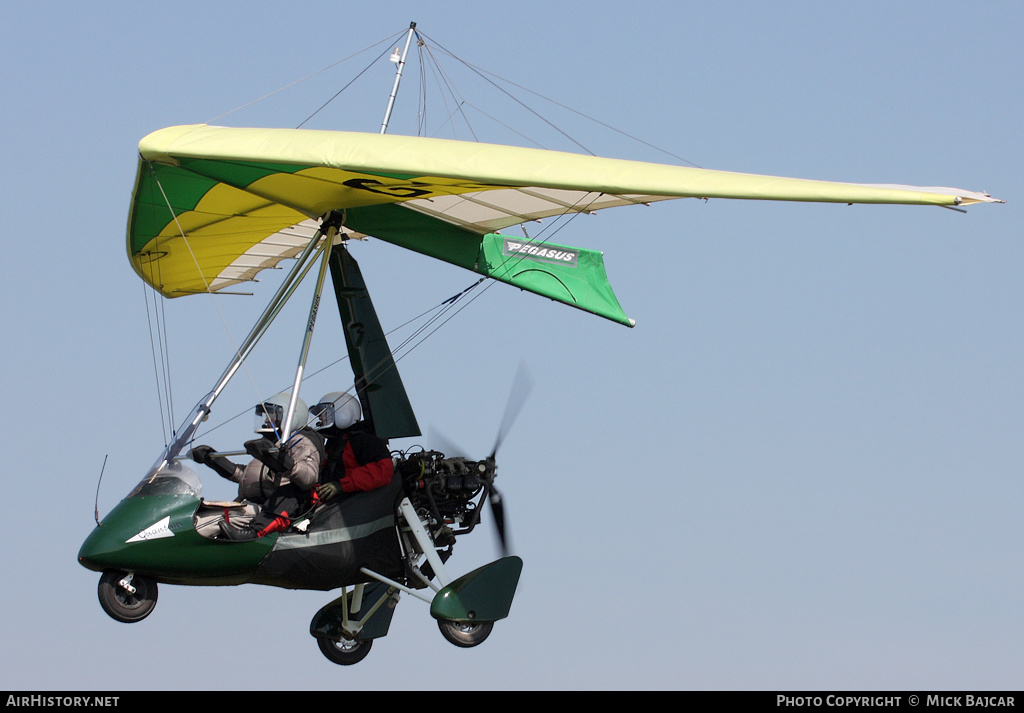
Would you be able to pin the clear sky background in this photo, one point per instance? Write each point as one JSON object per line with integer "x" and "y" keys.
{"x": 800, "y": 470}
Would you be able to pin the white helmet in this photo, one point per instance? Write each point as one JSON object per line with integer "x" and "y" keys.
{"x": 338, "y": 408}
{"x": 270, "y": 414}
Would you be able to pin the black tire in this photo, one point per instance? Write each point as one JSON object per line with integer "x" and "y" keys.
{"x": 344, "y": 652}
{"x": 465, "y": 634}
{"x": 123, "y": 605}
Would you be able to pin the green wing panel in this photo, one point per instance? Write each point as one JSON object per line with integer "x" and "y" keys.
{"x": 418, "y": 232}
{"x": 573, "y": 276}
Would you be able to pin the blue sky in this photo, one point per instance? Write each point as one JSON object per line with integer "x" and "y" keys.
{"x": 800, "y": 470}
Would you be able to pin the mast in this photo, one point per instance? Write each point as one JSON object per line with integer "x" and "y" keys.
{"x": 398, "y": 77}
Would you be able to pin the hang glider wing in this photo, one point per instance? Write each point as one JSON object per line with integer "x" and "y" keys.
{"x": 213, "y": 206}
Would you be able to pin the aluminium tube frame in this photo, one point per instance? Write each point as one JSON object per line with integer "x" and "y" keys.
{"x": 426, "y": 545}
{"x": 273, "y": 308}
{"x": 398, "y": 79}
{"x": 328, "y": 246}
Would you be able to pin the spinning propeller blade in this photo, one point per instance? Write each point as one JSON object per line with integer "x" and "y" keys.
{"x": 521, "y": 387}
{"x": 498, "y": 513}
{"x": 437, "y": 441}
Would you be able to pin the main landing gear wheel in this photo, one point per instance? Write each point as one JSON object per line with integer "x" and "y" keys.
{"x": 465, "y": 634}
{"x": 344, "y": 652}
{"x": 127, "y": 597}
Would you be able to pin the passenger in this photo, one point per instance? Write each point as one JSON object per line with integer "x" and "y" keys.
{"x": 357, "y": 459}
{"x": 279, "y": 479}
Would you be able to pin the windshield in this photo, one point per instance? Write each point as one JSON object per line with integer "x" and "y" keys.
{"x": 174, "y": 478}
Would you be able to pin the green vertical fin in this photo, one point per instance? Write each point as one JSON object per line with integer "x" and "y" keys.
{"x": 385, "y": 403}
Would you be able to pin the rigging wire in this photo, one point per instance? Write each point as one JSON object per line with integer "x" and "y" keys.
{"x": 310, "y": 76}
{"x": 206, "y": 284}
{"x": 443, "y": 306}
{"x": 338, "y": 93}
{"x": 561, "y": 222}
{"x": 443, "y": 82}
{"x": 449, "y": 308}
{"x": 159, "y": 344}
{"x": 164, "y": 356}
{"x": 512, "y": 97}
{"x": 421, "y": 110}
{"x": 166, "y": 351}
{"x": 481, "y": 72}
{"x": 153, "y": 338}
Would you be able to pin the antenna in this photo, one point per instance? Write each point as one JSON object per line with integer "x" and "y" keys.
{"x": 96, "y": 513}
{"x": 400, "y": 61}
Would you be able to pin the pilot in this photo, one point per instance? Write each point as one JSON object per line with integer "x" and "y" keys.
{"x": 357, "y": 459}
{"x": 278, "y": 478}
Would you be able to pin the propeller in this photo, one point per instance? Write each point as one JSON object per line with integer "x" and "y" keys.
{"x": 437, "y": 441}
{"x": 522, "y": 384}
{"x": 521, "y": 387}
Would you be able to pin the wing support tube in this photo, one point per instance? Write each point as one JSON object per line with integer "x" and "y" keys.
{"x": 331, "y": 224}
{"x": 184, "y": 433}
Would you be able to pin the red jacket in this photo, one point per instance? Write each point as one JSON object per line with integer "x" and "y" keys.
{"x": 359, "y": 460}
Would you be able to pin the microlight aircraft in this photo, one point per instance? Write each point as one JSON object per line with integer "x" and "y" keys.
{"x": 214, "y": 206}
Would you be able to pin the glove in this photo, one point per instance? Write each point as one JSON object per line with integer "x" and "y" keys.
{"x": 222, "y": 466}
{"x": 328, "y": 491}
{"x": 201, "y": 454}
{"x": 268, "y": 454}
{"x": 257, "y": 447}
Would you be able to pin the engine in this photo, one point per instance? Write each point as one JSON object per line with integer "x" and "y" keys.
{"x": 447, "y": 492}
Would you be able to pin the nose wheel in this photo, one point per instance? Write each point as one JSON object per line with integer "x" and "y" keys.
{"x": 127, "y": 597}
{"x": 465, "y": 634}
